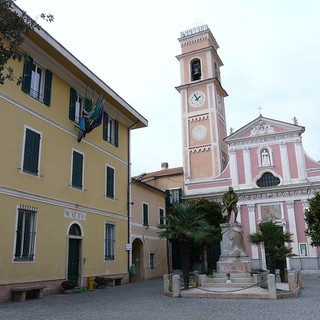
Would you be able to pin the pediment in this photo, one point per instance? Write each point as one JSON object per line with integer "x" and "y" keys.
{"x": 263, "y": 127}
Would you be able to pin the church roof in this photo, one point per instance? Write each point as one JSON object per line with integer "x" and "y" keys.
{"x": 262, "y": 126}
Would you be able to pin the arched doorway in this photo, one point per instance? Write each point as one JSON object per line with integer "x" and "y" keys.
{"x": 137, "y": 259}
{"x": 74, "y": 253}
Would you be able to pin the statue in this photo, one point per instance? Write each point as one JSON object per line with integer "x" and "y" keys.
{"x": 230, "y": 200}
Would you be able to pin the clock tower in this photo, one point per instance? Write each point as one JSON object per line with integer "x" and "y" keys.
{"x": 205, "y": 153}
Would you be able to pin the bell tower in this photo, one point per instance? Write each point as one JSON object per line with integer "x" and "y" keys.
{"x": 205, "y": 153}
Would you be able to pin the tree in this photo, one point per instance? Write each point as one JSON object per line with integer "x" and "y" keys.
{"x": 185, "y": 224}
{"x": 212, "y": 212}
{"x": 14, "y": 27}
{"x": 273, "y": 239}
{"x": 312, "y": 218}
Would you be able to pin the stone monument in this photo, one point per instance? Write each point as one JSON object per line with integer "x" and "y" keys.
{"x": 233, "y": 258}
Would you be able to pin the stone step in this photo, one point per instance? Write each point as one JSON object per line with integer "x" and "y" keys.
{"x": 234, "y": 280}
{"x": 227, "y": 285}
{"x": 232, "y": 275}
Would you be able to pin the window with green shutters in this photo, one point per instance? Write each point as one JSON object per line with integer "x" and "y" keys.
{"x": 110, "y": 182}
{"x": 77, "y": 104}
{"x": 37, "y": 81}
{"x": 77, "y": 170}
{"x": 31, "y": 152}
{"x": 110, "y": 130}
{"x": 145, "y": 213}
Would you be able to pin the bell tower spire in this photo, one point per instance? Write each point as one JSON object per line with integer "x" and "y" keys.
{"x": 205, "y": 153}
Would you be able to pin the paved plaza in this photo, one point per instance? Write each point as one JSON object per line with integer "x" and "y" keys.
{"x": 145, "y": 301}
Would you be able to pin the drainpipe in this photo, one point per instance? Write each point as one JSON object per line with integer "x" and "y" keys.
{"x": 129, "y": 202}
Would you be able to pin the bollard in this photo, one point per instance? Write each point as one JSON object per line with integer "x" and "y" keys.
{"x": 272, "y": 286}
{"x": 175, "y": 286}
{"x": 166, "y": 283}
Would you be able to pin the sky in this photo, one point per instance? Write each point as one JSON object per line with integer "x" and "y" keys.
{"x": 270, "y": 50}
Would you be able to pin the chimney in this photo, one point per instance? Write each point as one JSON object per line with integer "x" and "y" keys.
{"x": 164, "y": 165}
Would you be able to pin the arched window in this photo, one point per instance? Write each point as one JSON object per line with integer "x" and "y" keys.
{"x": 268, "y": 180}
{"x": 75, "y": 230}
{"x": 195, "y": 70}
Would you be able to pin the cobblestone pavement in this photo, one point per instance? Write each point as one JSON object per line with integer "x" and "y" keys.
{"x": 145, "y": 301}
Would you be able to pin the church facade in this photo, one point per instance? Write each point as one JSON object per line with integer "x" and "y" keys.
{"x": 264, "y": 161}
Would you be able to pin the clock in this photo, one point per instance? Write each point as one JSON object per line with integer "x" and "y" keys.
{"x": 197, "y": 99}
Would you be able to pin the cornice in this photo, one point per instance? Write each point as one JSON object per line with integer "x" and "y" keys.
{"x": 267, "y": 139}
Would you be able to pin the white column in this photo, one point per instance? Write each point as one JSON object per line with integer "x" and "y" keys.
{"x": 292, "y": 227}
{"x": 312, "y": 251}
{"x": 233, "y": 167}
{"x": 253, "y": 229}
{"x": 300, "y": 160}
{"x": 285, "y": 162}
{"x": 247, "y": 166}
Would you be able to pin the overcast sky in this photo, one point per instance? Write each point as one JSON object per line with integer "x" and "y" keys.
{"x": 270, "y": 50}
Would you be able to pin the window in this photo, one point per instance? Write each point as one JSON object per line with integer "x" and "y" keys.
{"x": 77, "y": 170}
{"x": 145, "y": 213}
{"x": 77, "y": 105}
{"x": 31, "y": 153}
{"x": 152, "y": 260}
{"x": 175, "y": 196}
{"x": 25, "y": 234}
{"x": 268, "y": 180}
{"x": 37, "y": 81}
{"x": 110, "y": 129}
{"x": 195, "y": 70}
{"x": 109, "y": 242}
{"x": 110, "y": 182}
{"x": 161, "y": 216}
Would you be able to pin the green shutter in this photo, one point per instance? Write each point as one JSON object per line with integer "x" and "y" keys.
{"x": 110, "y": 182}
{"x": 31, "y": 152}
{"x": 145, "y": 215}
{"x": 77, "y": 169}
{"x": 47, "y": 88}
{"x": 72, "y": 105}
{"x": 27, "y": 70}
{"x": 116, "y": 134}
{"x": 105, "y": 126}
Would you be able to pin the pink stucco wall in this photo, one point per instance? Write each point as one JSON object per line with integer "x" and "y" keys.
{"x": 240, "y": 163}
{"x": 292, "y": 160}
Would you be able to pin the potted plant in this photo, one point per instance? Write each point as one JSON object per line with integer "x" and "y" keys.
{"x": 68, "y": 285}
{"x": 100, "y": 281}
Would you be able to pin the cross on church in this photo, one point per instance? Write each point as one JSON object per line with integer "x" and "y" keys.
{"x": 260, "y": 108}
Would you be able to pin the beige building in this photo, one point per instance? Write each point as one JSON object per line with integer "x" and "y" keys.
{"x": 64, "y": 170}
{"x": 152, "y": 196}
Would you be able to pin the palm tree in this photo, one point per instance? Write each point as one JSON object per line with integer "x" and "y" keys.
{"x": 273, "y": 239}
{"x": 185, "y": 224}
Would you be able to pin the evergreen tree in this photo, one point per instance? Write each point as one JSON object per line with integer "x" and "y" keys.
{"x": 312, "y": 218}
{"x": 212, "y": 212}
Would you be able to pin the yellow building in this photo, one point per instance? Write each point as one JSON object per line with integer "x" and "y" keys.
{"x": 63, "y": 194}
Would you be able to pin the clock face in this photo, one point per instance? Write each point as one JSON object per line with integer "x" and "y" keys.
{"x": 197, "y": 99}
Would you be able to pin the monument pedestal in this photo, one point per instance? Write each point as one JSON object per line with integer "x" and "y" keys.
{"x": 233, "y": 258}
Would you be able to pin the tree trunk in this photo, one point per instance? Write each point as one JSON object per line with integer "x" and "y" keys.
{"x": 185, "y": 259}
{"x": 272, "y": 262}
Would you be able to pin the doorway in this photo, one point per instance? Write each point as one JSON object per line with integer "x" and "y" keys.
{"x": 74, "y": 253}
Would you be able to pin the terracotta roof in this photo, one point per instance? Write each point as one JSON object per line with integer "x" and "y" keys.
{"x": 163, "y": 172}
